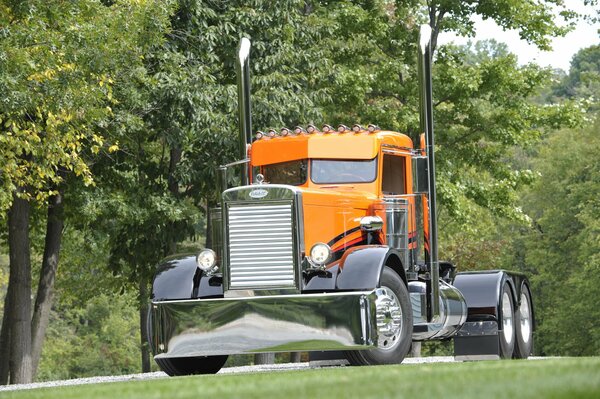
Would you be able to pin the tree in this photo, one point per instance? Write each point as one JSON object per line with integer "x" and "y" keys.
{"x": 482, "y": 109}
{"x": 58, "y": 62}
{"x": 564, "y": 248}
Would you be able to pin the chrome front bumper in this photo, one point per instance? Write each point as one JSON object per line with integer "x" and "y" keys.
{"x": 283, "y": 323}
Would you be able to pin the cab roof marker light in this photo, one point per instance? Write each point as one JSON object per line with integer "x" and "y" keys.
{"x": 328, "y": 129}
{"x": 284, "y": 131}
{"x": 299, "y": 130}
{"x": 259, "y": 135}
{"x": 373, "y": 128}
{"x": 342, "y": 128}
{"x": 310, "y": 129}
{"x": 357, "y": 128}
{"x": 271, "y": 133}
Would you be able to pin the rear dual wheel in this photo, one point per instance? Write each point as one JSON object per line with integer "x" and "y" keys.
{"x": 507, "y": 333}
{"x": 524, "y": 325}
{"x": 394, "y": 323}
{"x": 516, "y": 335}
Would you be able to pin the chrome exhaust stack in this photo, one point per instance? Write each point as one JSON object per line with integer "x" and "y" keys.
{"x": 244, "y": 109}
{"x": 426, "y": 119}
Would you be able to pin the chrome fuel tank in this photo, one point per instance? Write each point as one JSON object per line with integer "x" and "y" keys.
{"x": 453, "y": 311}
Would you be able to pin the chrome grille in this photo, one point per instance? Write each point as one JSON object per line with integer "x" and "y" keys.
{"x": 261, "y": 246}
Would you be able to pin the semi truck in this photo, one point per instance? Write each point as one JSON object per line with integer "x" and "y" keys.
{"x": 329, "y": 246}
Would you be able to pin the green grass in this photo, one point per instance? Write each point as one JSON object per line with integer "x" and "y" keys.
{"x": 555, "y": 378}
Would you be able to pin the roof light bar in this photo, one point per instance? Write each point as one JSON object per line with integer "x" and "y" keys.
{"x": 284, "y": 131}
{"x": 312, "y": 129}
{"x": 299, "y": 130}
{"x": 271, "y": 133}
{"x": 328, "y": 129}
{"x": 373, "y": 128}
{"x": 342, "y": 128}
{"x": 357, "y": 128}
{"x": 259, "y": 135}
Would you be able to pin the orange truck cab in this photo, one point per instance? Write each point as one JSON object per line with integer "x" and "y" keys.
{"x": 343, "y": 177}
{"x": 327, "y": 246}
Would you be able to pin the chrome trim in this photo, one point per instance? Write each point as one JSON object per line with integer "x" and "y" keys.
{"x": 396, "y": 229}
{"x": 389, "y": 319}
{"x": 426, "y": 118}
{"x": 251, "y": 235}
{"x": 508, "y": 326}
{"x": 335, "y": 321}
{"x": 371, "y": 223}
{"x": 525, "y": 318}
{"x": 264, "y": 241}
{"x": 244, "y": 108}
{"x": 453, "y": 312}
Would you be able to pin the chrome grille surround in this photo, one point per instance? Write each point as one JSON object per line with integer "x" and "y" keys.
{"x": 263, "y": 241}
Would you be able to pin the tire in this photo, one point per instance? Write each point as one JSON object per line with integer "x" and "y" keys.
{"x": 191, "y": 365}
{"x": 524, "y": 325}
{"x": 506, "y": 323}
{"x": 394, "y": 324}
{"x": 186, "y": 365}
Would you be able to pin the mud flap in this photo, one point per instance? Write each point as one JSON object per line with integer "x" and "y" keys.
{"x": 477, "y": 340}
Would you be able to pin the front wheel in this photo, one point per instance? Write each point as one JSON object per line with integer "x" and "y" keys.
{"x": 394, "y": 323}
{"x": 191, "y": 365}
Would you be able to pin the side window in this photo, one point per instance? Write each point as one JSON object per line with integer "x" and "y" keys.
{"x": 394, "y": 171}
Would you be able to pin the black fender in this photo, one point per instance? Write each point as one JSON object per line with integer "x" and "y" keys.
{"x": 178, "y": 277}
{"x": 361, "y": 266}
{"x": 481, "y": 290}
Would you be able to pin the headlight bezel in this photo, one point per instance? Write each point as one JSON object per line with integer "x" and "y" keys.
{"x": 319, "y": 260}
{"x": 211, "y": 265}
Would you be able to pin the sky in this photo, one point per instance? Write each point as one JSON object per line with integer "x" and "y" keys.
{"x": 564, "y": 48}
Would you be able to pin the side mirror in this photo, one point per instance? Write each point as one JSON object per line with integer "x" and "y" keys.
{"x": 371, "y": 223}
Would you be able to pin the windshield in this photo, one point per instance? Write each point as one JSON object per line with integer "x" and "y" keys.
{"x": 293, "y": 173}
{"x": 343, "y": 171}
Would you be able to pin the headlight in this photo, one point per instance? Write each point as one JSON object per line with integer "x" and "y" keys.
{"x": 206, "y": 259}
{"x": 320, "y": 253}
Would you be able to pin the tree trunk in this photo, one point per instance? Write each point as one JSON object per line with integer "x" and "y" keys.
{"x": 264, "y": 358}
{"x": 144, "y": 347}
{"x": 20, "y": 290}
{"x": 45, "y": 292}
{"x": 5, "y": 341}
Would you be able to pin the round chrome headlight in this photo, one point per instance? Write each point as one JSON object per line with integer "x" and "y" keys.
{"x": 206, "y": 259}
{"x": 320, "y": 254}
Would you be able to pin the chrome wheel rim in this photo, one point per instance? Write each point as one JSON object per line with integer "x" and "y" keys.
{"x": 389, "y": 319}
{"x": 525, "y": 318}
{"x": 507, "y": 318}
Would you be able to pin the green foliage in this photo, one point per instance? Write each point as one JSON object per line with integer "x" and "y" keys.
{"x": 534, "y": 20}
{"x": 59, "y": 62}
{"x": 583, "y": 80}
{"x": 564, "y": 248}
{"x": 101, "y": 338}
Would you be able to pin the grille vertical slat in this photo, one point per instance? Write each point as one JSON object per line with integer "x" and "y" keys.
{"x": 261, "y": 250}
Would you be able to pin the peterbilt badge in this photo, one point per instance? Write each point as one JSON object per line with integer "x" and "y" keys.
{"x": 258, "y": 193}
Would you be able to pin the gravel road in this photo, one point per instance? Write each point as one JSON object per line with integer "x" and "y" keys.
{"x": 228, "y": 370}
